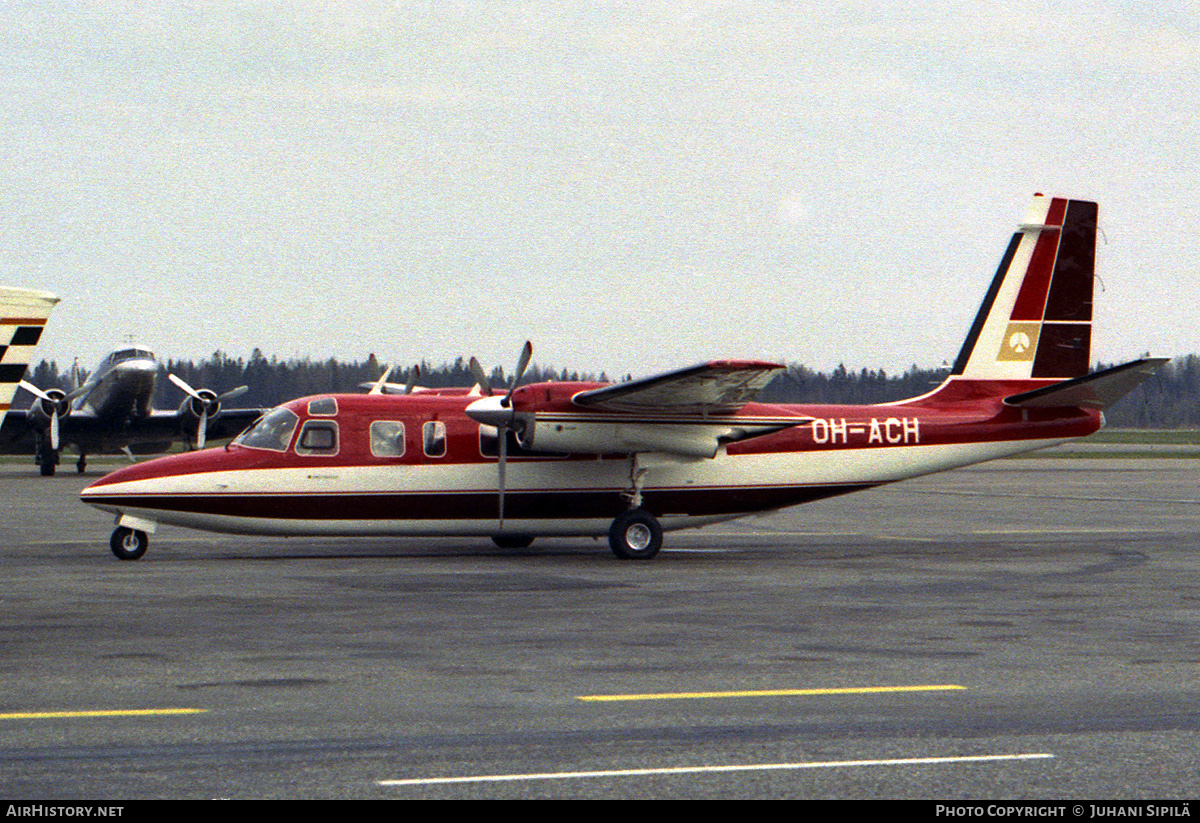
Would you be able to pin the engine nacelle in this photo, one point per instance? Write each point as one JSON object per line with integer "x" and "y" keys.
{"x": 193, "y": 408}
{"x": 53, "y": 404}
{"x": 698, "y": 441}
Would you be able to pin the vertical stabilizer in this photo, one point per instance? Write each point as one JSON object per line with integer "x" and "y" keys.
{"x": 1036, "y": 321}
{"x": 23, "y": 315}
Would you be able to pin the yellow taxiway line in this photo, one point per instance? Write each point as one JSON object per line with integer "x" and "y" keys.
{"x": 609, "y": 698}
{"x": 97, "y": 713}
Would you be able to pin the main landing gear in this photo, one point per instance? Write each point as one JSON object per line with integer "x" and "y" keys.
{"x": 635, "y": 535}
{"x": 128, "y": 544}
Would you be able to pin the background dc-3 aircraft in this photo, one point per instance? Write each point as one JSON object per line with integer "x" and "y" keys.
{"x": 111, "y": 413}
{"x": 632, "y": 460}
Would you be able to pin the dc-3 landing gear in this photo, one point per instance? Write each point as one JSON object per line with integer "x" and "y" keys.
{"x": 635, "y": 534}
{"x": 47, "y": 458}
{"x": 128, "y": 544}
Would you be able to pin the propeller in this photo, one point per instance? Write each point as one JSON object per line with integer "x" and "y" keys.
{"x": 55, "y": 404}
{"x": 377, "y": 386}
{"x": 499, "y": 413}
{"x": 210, "y": 403}
{"x": 414, "y": 374}
{"x": 481, "y": 379}
{"x": 382, "y": 386}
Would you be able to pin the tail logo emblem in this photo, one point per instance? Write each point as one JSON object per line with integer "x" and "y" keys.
{"x": 1019, "y": 343}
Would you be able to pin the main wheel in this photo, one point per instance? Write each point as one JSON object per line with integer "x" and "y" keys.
{"x": 513, "y": 541}
{"x": 635, "y": 535}
{"x": 128, "y": 544}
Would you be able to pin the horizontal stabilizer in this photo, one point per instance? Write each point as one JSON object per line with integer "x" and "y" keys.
{"x": 1098, "y": 390}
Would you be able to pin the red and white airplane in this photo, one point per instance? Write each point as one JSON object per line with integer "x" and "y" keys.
{"x": 632, "y": 460}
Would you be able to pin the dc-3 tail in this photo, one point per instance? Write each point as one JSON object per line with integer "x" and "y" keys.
{"x": 23, "y": 314}
{"x": 1031, "y": 339}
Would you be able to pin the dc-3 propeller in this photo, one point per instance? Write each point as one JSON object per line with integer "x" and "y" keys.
{"x": 55, "y": 404}
{"x": 205, "y": 403}
{"x": 498, "y": 411}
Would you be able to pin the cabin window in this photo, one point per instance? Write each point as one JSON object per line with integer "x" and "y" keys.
{"x": 323, "y": 407}
{"x": 318, "y": 437}
{"x": 387, "y": 438}
{"x": 435, "y": 438}
{"x": 272, "y": 431}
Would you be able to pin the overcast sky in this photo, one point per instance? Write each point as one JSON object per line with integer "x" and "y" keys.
{"x": 633, "y": 186}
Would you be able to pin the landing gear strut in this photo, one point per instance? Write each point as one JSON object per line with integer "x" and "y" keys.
{"x": 128, "y": 544}
{"x": 635, "y": 534}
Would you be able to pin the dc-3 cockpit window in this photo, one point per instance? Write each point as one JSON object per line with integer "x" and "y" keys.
{"x": 318, "y": 437}
{"x": 272, "y": 431}
{"x": 124, "y": 354}
{"x": 387, "y": 438}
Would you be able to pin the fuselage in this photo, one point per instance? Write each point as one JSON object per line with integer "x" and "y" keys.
{"x": 124, "y": 386}
{"x": 419, "y": 465}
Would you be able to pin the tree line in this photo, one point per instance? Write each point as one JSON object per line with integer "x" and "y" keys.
{"x": 1169, "y": 399}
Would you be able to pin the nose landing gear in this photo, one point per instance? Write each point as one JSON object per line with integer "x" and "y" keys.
{"x": 128, "y": 544}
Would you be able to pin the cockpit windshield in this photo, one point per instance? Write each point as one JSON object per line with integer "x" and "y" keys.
{"x": 132, "y": 354}
{"x": 272, "y": 431}
{"x": 122, "y": 355}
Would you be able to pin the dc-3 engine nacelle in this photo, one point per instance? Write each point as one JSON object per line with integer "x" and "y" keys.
{"x": 194, "y": 407}
{"x": 200, "y": 408}
{"x": 52, "y": 403}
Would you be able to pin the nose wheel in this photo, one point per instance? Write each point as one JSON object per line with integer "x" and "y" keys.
{"x": 635, "y": 535}
{"x": 128, "y": 544}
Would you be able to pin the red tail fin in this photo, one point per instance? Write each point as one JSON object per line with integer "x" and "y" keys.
{"x": 1036, "y": 320}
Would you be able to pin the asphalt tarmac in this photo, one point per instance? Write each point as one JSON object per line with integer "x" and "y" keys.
{"x": 1022, "y": 629}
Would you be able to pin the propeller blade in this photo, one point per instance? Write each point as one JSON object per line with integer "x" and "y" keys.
{"x": 377, "y": 388}
{"x": 34, "y": 390}
{"x": 522, "y": 365}
{"x": 84, "y": 389}
{"x": 232, "y": 393}
{"x": 479, "y": 377}
{"x": 54, "y": 432}
{"x": 413, "y": 375}
{"x": 502, "y": 431}
{"x": 181, "y": 383}
{"x": 202, "y": 429}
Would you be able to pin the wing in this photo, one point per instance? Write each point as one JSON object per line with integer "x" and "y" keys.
{"x": 90, "y": 434}
{"x": 690, "y": 413}
{"x": 717, "y": 388}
